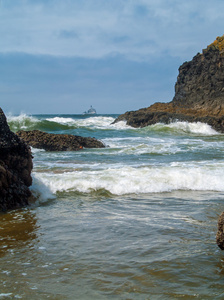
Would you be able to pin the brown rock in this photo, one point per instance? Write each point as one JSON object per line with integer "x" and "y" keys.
{"x": 199, "y": 93}
{"x": 58, "y": 142}
{"x": 220, "y": 232}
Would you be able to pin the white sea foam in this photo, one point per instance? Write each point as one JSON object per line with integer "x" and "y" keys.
{"x": 121, "y": 125}
{"x": 126, "y": 180}
{"x": 21, "y": 122}
{"x": 197, "y": 128}
{"x": 36, "y": 150}
{"x": 145, "y": 145}
{"x": 161, "y": 146}
{"x": 61, "y": 120}
{"x": 40, "y": 190}
{"x": 98, "y": 122}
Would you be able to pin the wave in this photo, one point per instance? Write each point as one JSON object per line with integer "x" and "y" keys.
{"x": 72, "y": 122}
{"x": 140, "y": 145}
{"x": 25, "y": 122}
{"x": 97, "y": 122}
{"x": 60, "y": 123}
{"x": 41, "y": 191}
{"x": 180, "y": 127}
{"x": 136, "y": 180}
{"x": 22, "y": 122}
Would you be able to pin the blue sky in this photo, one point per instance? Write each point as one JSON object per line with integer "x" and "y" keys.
{"x": 61, "y": 56}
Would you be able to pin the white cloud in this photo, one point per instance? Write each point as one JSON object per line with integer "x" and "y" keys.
{"x": 137, "y": 29}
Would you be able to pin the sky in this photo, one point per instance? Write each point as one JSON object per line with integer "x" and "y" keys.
{"x": 61, "y": 56}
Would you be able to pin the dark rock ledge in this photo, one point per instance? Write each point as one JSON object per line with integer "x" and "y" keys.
{"x": 199, "y": 93}
{"x": 15, "y": 169}
{"x": 58, "y": 142}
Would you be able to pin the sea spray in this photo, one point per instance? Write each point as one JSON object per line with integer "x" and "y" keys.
{"x": 178, "y": 127}
{"x": 22, "y": 122}
{"x": 55, "y": 122}
{"x": 99, "y": 122}
{"x": 41, "y": 191}
{"x": 154, "y": 159}
{"x": 128, "y": 180}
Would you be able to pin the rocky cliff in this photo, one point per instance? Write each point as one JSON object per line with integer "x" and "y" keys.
{"x": 15, "y": 168}
{"x": 199, "y": 93}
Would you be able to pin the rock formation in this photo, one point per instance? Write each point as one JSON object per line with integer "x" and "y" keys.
{"x": 58, "y": 142}
{"x": 199, "y": 93}
{"x": 15, "y": 168}
{"x": 220, "y": 232}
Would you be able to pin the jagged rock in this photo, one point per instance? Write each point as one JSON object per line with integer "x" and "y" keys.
{"x": 220, "y": 232}
{"x": 199, "y": 93}
{"x": 58, "y": 142}
{"x": 15, "y": 168}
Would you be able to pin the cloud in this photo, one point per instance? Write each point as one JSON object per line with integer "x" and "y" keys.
{"x": 138, "y": 29}
{"x": 117, "y": 55}
{"x": 68, "y": 34}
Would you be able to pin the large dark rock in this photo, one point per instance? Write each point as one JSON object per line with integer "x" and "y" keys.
{"x": 15, "y": 168}
{"x": 199, "y": 93}
{"x": 58, "y": 142}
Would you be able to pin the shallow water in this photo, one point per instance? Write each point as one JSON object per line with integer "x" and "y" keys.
{"x": 136, "y": 220}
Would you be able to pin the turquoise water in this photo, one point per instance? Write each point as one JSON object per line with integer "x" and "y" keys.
{"x": 134, "y": 220}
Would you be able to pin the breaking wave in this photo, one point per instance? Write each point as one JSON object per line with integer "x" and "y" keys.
{"x": 139, "y": 180}
{"x": 196, "y": 128}
{"x": 72, "y": 122}
{"x": 157, "y": 158}
{"x": 22, "y": 122}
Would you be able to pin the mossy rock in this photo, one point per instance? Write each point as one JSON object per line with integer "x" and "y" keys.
{"x": 218, "y": 44}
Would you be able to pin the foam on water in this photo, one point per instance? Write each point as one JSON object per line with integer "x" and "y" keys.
{"x": 89, "y": 170}
{"x": 98, "y": 122}
{"x": 161, "y": 146}
{"x": 22, "y": 122}
{"x": 158, "y": 232}
{"x": 138, "y": 146}
{"x": 25, "y": 122}
{"x": 128, "y": 180}
{"x": 40, "y": 190}
{"x": 36, "y": 150}
{"x": 62, "y": 120}
{"x": 5, "y": 295}
{"x": 196, "y": 128}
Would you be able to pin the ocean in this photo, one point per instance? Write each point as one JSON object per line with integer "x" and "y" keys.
{"x": 134, "y": 220}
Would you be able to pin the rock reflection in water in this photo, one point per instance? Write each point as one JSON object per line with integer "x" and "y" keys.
{"x": 18, "y": 229}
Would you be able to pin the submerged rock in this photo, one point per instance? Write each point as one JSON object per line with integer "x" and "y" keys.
{"x": 15, "y": 168}
{"x": 58, "y": 142}
{"x": 199, "y": 93}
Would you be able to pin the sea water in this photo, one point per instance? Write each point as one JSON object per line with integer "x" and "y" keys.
{"x": 134, "y": 220}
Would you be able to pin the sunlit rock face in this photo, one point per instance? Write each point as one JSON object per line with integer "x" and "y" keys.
{"x": 199, "y": 93}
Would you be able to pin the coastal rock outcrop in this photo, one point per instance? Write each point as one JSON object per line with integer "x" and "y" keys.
{"x": 199, "y": 93}
{"x": 15, "y": 168}
{"x": 220, "y": 232}
{"x": 58, "y": 142}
